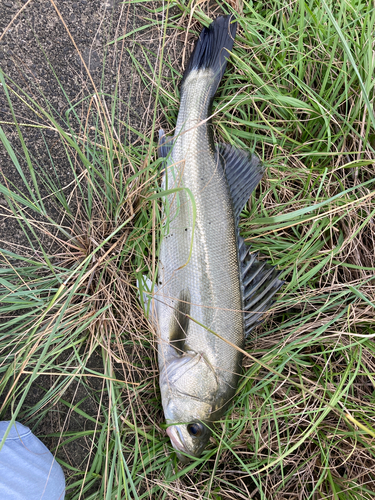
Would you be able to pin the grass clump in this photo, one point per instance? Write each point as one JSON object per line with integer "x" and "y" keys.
{"x": 299, "y": 91}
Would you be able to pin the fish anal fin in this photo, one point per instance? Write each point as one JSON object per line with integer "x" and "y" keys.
{"x": 180, "y": 322}
{"x": 243, "y": 172}
{"x": 165, "y": 144}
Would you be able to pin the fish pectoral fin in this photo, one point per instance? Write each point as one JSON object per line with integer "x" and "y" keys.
{"x": 243, "y": 172}
{"x": 180, "y": 322}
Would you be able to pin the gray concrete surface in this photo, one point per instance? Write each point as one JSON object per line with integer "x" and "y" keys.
{"x": 35, "y": 42}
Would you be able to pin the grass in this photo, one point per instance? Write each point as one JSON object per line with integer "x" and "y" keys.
{"x": 300, "y": 91}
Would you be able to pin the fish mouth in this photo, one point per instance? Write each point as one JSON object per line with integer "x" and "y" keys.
{"x": 175, "y": 438}
{"x": 177, "y": 443}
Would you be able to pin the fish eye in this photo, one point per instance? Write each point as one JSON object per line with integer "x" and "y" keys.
{"x": 196, "y": 429}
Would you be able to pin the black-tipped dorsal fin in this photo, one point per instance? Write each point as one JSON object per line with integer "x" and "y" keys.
{"x": 260, "y": 281}
{"x": 180, "y": 322}
{"x": 243, "y": 172}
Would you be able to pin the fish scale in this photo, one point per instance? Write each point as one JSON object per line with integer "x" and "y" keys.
{"x": 211, "y": 291}
{"x": 215, "y": 296}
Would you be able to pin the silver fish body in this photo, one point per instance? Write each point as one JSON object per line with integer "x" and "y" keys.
{"x": 200, "y": 295}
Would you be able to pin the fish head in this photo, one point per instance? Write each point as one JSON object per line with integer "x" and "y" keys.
{"x": 188, "y": 386}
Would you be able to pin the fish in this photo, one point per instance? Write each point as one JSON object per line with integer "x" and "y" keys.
{"x": 211, "y": 291}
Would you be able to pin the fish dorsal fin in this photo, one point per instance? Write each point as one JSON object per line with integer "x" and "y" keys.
{"x": 243, "y": 172}
{"x": 180, "y": 322}
{"x": 260, "y": 281}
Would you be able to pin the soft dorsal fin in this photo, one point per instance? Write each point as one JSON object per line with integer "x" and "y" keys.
{"x": 243, "y": 172}
{"x": 259, "y": 280}
{"x": 180, "y": 322}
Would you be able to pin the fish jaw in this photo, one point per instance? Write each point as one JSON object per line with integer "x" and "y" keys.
{"x": 175, "y": 439}
{"x": 188, "y": 388}
{"x": 184, "y": 443}
{"x": 177, "y": 444}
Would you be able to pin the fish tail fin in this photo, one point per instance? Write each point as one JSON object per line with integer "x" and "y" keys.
{"x": 211, "y": 51}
